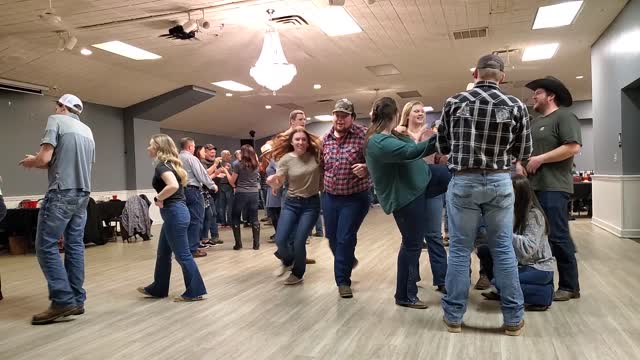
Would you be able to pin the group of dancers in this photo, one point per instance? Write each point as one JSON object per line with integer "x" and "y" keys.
{"x": 482, "y": 136}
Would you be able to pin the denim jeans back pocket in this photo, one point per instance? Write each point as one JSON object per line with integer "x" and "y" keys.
{"x": 460, "y": 193}
{"x": 504, "y": 195}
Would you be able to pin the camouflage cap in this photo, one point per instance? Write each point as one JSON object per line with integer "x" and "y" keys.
{"x": 345, "y": 106}
{"x": 491, "y": 61}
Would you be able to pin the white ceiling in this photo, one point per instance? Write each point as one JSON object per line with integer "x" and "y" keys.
{"x": 413, "y": 35}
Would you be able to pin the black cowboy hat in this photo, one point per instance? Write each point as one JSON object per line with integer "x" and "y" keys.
{"x": 555, "y": 86}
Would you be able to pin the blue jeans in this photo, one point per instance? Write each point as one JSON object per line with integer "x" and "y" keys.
{"x": 225, "y": 200}
{"x": 210, "y": 224}
{"x": 319, "y": 229}
{"x": 63, "y": 212}
{"x": 343, "y": 215}
{"x": 556, "y": 206}
{"x": 537, "y": 286}
{"x": 433, "y": 236}
{"x": 471, "y": 197}
{"x": 173, "y": 239}
{"x": 245, "y": 203}
{"x": 410, "y": 221}
{"x": 297, "y": 218}
{"x": 195, "y": 204}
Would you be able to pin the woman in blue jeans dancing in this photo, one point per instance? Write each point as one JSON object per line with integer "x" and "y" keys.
{"x": 413, "y": 118}
{"x": 403, "y": 183}
{"x": 531, "y": 245}
{"x": 298, "y": 165}
{"x": 168, "y": 181}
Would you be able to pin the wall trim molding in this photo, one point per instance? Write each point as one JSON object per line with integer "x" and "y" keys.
{"x": 616, "y": 205}
{"x": 616, "y": 177}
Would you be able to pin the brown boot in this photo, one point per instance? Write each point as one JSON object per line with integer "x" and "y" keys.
{"x": 483, "y": 283}
{"x": 514, "y": 330}
{"x": 53, "y": 312}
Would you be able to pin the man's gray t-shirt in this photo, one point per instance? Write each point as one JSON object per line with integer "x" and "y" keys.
{"x": 248, "y": 180}
{"x": 73, "y": 154}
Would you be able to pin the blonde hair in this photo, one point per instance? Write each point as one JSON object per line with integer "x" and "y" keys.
{"x": 167, "y": 152}
{"x": 406, "y": 110}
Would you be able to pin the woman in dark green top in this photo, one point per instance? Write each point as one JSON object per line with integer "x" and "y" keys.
{"x": 400, "y": 178}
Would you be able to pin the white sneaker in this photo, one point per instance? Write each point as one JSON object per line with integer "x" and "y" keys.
{"x": 281, "y": 270}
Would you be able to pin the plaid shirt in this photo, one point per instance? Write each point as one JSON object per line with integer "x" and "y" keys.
{"x": 338, "y": 156}
{"x": 484, "y": 128}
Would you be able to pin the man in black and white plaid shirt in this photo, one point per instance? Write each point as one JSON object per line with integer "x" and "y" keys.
{"x": 483, "y": 131}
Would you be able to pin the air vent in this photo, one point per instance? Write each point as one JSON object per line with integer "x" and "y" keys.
{"x": 325, "y": 101}
{"x": 409, "y": 94}
{"x": 290, "y": 106}
{"x": 383, "y": 70}
{"x": 293, "y": 20}
{"x": 22, "y": 87}
{"x": 470, "y": 33}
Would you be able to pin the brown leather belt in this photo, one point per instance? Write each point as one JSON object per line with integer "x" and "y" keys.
{"x": 481, "y": 171}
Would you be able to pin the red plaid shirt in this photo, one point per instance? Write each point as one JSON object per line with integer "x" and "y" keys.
{"x": 338, "y": 157}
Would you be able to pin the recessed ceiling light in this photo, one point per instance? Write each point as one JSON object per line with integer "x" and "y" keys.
{"x": 579, "y": 77}
{"x": 336, "y": 21}
{"x": 317, "y": 86}
{"x": 428, "y": 108}
{"x": 470, "y": 86}
{"x": 540, "y": 52}
{"x": 268, "y": 107}
{"x": 229, "y": 94}
{"x": 324, "y": 117}
{"x": 126, "y": 50}
{"x": 472, "y": 69}
{"x": 557, "y": 15}
{"x": 308, "y": 118}
{"x": 86, "y": 52}
{"x": 232, "y": 85}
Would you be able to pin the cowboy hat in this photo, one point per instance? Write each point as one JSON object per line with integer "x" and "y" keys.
{"x": 555, "y": 86}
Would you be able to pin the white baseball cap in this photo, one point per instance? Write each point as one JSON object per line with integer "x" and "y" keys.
{"x": 71, "y": 101}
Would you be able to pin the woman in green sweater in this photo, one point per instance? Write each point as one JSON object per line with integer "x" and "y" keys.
{"x": 401, "y": 180}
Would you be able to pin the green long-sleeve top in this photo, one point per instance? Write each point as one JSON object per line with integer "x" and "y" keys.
{"x": 396, "y": 167}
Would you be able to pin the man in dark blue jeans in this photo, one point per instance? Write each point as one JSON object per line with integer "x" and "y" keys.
{"x": 67, "y": 151}
{"x": 197, "y": 177}
{"x": 556, "y": 138}
{"x": 345, "y": 201}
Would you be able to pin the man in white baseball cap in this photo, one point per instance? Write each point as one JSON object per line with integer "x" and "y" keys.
{"x": 72, "y": 103}
{"x": 67, "y": 151}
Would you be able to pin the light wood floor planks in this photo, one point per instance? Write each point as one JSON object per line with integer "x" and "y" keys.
{"x": 249, "y": 314}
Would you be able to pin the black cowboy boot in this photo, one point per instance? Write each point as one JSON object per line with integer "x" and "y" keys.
{"x": 256, "y": 236}
{"x": 236, "y": 236}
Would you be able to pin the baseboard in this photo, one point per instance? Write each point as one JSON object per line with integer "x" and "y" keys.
{"x": 607, "y": 226}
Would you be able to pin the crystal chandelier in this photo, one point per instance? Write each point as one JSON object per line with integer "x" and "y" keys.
{"x": 272, "y": 69}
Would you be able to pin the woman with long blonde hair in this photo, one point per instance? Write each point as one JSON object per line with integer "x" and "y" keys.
{"x": 169, "y": 181}
{"x": 299, "y": 165}
{"x": 413, "y": 118}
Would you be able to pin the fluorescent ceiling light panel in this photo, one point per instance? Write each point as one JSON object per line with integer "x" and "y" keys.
{"x": 324, "y": 117}
{"x": 540, "y": 52}
{"x": 428, "y": 108}
{"x": 126, "y": 50}
{"x": 557, "y": 15}
{"x": 336, "y": 21}
{"x": 232, "y": 85}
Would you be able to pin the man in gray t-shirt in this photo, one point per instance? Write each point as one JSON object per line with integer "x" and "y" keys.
{"x": 67, "y": 151}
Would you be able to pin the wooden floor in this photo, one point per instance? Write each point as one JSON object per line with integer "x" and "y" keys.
{"x": 249, "y": 314}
